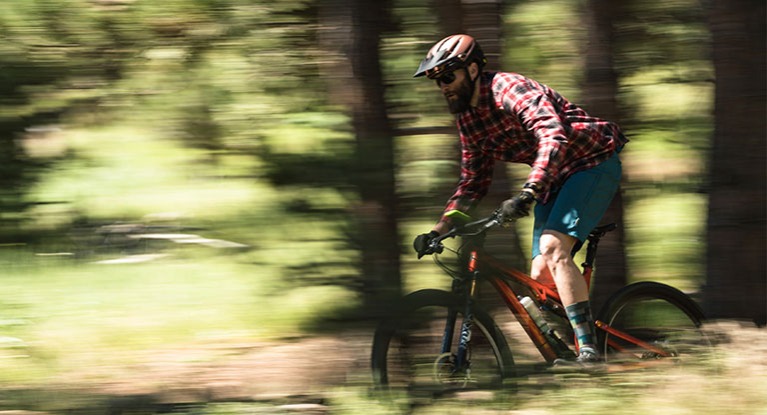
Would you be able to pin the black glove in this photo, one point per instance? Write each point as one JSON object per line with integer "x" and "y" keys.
{"x": 518, "y": 206}
{"x": 421, "y": 243}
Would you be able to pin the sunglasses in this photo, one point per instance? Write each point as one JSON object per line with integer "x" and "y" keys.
{"x": 446, "y": 78}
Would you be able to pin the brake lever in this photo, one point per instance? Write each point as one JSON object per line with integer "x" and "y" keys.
{"x": 497, "y": 220}
{"x": 436, "y": 247}
{"x": 500, "y": 220}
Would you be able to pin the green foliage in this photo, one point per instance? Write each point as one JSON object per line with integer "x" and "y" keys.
{"x": 544, "y": 42}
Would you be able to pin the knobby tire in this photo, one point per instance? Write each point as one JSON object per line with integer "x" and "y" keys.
{"x": 658, "y": 314}
{"x": 406, "y": 347}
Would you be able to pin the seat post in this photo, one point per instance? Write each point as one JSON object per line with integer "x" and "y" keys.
{"x": 593, "y": 244}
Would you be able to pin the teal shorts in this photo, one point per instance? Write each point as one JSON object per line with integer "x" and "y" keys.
{"x": 580, "y": 203}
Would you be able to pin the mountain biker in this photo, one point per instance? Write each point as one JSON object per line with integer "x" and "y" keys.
{"x": 574, "y": 159}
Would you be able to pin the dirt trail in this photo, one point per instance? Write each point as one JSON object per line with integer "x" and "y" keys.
{"x": 303, "y": 371}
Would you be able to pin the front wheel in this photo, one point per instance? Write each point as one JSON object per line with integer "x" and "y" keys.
{"x": 408, "y": 350}
{"x": 648, "y": 323}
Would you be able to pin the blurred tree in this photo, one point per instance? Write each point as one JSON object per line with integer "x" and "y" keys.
{"x": 377, "y": 212}
{"x": 50, "y": 59}
{"x": 450, "y": 16}
{"x": 482, "y": 20}
{"x": 357, "y": 27}
{"x": 14, "y": 167}
{"x": 736, "y": 285}
{"x": 600, "y": 91}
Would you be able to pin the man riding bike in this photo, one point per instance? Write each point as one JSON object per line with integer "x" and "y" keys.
{"x": 574, "y": 158}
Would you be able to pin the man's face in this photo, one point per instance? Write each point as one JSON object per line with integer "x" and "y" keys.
{"x": 458, "y": 92}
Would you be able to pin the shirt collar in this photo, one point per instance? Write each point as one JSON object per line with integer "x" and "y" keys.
{"x": 484, "y": 98}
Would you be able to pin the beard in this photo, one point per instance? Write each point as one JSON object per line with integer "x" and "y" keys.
{"x": 461, "y": 100}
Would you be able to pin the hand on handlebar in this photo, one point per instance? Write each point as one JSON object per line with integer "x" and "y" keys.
{"x": 423, "y": 243}
{"x": 431, "y": 243}
{"x": 518, "y": 206}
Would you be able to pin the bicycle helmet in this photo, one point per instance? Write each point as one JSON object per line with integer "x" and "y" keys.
{"x": 451, "y": 53}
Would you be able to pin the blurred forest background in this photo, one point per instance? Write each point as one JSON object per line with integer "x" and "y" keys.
{"x": 215, "y": 170}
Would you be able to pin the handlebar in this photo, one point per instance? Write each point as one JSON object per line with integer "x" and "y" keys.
{"x": 473, "y": 228}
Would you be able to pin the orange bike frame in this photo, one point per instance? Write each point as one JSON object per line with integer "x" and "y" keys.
{"x": 510, "y": 298}
{"x": 543, "y": 292}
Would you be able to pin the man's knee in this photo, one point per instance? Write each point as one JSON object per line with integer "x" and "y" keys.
{"x": 540, "y": 272}
{"x": 556, "y": 247}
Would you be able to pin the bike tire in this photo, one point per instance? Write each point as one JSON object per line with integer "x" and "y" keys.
{"x": 659, "y": 315}
{"x": 406, "y": 352}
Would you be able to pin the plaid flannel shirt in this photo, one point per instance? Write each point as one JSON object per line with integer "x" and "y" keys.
{"x": 520, "y": 120}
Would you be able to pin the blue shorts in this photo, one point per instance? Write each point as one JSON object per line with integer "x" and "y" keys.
{"x": 580, "y": 203}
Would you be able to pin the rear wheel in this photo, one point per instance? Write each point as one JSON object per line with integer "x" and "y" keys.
{"x": 662, "y": 324}
{"x": 407, "y": 349}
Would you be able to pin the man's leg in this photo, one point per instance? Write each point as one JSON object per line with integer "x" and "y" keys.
{"x": 567, "y": 217}
{"x": 555, "y": 252}
{"x": 539, "y": 271}
{"x": 573, "y": 291}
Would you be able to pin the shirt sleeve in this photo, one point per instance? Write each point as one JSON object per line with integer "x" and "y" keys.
{"x": 538, "y": 113}
{"x": 476, "y": 176}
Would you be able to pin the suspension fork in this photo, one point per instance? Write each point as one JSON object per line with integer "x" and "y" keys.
{"x": 461, "y": 361}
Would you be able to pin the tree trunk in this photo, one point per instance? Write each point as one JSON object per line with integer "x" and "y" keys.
{"x": 600, "y": 91}
{"x": 354, "y": 37}
{"x": 482, "y": 20}
{"x": 736, "y": 271}
{"x": 449, "y": 17}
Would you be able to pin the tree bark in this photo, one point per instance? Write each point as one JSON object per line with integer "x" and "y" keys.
{"x": 736, "y": 271}
{"x": 482, "y": 20}
{"x": 600, "y": 89}
{"x": 357, "y": 82}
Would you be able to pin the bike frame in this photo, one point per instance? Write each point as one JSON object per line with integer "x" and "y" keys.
{"x": 498, "y": 275}
{"x": 480, "y": 264}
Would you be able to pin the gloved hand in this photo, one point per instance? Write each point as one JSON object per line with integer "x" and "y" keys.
{"x": 518, "y": 206}
{"x": 421, "y": 243}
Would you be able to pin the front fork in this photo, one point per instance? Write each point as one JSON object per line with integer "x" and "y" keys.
{"x": 461, "y": 361}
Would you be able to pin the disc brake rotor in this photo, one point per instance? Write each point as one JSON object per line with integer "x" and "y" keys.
{"x": 445, "y": 371}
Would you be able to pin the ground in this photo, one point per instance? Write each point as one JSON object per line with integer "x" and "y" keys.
{"x": 295, "y": 377}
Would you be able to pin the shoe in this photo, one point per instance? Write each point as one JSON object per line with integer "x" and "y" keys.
{"x": 586, "y": 361}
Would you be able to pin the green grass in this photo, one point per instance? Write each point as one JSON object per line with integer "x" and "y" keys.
{"x": 74, "y": 315}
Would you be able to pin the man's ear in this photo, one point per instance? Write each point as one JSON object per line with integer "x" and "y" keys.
{"x": 473, "y": 71}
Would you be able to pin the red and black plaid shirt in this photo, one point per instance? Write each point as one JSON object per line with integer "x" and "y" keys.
{"x": 520, "y": 120}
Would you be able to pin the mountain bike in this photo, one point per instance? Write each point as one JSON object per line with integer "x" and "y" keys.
{"x": 439, "y": 340}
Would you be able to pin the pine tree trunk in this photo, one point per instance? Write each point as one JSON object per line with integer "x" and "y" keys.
{"x": 482, "y": 20}
{"x": 600, "y": 91}
{"x": 357, "y": 82}
{"x": 736, "y": 271}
